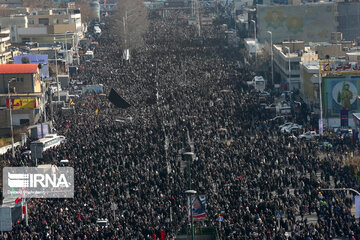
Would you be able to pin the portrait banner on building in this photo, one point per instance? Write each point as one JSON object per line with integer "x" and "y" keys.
{"x": 198, "y": 208}
{"x": 19, "y": 103}
{"x": 340, "y": 94}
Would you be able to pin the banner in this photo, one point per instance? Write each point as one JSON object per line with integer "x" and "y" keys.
{"x": 337, "y": 67}
{"x": 38, "y": 58}
{"x": 19, "y": 103}
{"x": 198, "y": 208}
{"x": 339, "y": 93}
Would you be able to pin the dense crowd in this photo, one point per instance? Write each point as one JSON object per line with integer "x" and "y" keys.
{"x": 185, "y": 95}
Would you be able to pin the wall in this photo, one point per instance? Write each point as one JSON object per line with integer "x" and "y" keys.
{"x": 310, "y": 22}
{"x": 24, "y": 84}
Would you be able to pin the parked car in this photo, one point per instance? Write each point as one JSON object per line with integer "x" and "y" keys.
{"x": 289, "y": 124}
{"x": 291, "y": 129}
{"x": 309, "y": 135}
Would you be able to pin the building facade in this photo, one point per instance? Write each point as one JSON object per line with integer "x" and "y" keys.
{"x": 5, "y": 53}
{"x": 287, "y": 58}
{"x": 26, "y": 94}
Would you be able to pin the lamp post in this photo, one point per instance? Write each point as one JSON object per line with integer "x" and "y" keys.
{"x": 272, "y": 58}
{"x": 57, "y": 79}
{"x": 11, "y": 122}
{"x": 253, "y": 21}
{"x": 67, "y": 54}
{"x": 191, "y": 193}
{"x": 289, "y": 67}
{"x": 321, "y": 123}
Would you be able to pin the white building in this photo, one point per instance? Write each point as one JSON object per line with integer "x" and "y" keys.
{"x": 287, "y": 58}
{"x": 5, "y": 53}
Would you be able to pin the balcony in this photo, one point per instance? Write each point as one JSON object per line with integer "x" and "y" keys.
{"x": 4, "y": 31}
{"x": 4, "y": 39}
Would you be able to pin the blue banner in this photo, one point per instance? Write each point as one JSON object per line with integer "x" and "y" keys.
{"x": 38, "y": 58}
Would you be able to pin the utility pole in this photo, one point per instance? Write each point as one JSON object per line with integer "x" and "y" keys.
{"x": 11, "y": 122}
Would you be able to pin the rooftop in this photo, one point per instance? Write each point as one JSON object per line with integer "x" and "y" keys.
{"x": 312, "y": 65}
{"x": 18, "y": 68}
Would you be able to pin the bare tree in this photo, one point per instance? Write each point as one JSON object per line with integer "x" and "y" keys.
{"x": 131, "y": 22}
{"x": 85, "y": 9}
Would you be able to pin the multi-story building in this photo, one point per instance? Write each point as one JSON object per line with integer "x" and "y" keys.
{"x": 287, "y": 58}
{"x": 5, "y": 53}
{"x": 44, "y": 26}
{"x": 26, "y": 94}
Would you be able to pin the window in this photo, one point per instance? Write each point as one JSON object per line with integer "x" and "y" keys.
{"x": 31, "y": 21}
{"x": 44, "y": 21}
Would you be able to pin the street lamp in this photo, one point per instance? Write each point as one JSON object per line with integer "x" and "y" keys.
{"x": 191, "y": 193}
{"x": 57, "y": 79}
{"x": 289, "y": 66}
{"x": 272, "y": 58}
{"x": 11, "y": 122}
{"x": 253, "y": 21}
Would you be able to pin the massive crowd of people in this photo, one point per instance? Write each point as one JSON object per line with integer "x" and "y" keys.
{"x": 186, "y": 95}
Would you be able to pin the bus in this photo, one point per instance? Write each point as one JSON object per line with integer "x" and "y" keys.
{"x": 41, "y": 145}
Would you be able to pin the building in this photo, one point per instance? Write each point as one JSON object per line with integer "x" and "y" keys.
{"x": 348, "y": 20}
{"x": 309, "y": 75}
{"x": 14, "y": 22}
{"x": 327, "y": 50}
{"x": 287, "y": 58}
{"x": 26, "y": 93}
{"x": 5, "y": 53}
{"x": 44, "y": 26}
{"x": 11, "y": 3}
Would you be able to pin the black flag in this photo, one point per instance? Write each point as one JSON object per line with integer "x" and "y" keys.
{"x": 118, "y": 101}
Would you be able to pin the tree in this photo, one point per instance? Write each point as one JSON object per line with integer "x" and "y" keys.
{"x": 131, "y": 22}
{"x": 85, "y": 9}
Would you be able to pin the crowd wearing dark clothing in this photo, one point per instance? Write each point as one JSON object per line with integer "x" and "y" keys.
{"x": 185, "y": 95}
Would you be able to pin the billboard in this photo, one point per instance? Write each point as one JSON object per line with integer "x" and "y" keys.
{"x": 340, "y": 94}
{"x": 198, "y": 208}
{"x": 310, "y": 22}
{"x": 38, "y": 58}
{"x": 339, "y": 67}
{"x": 19, "y": 103}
